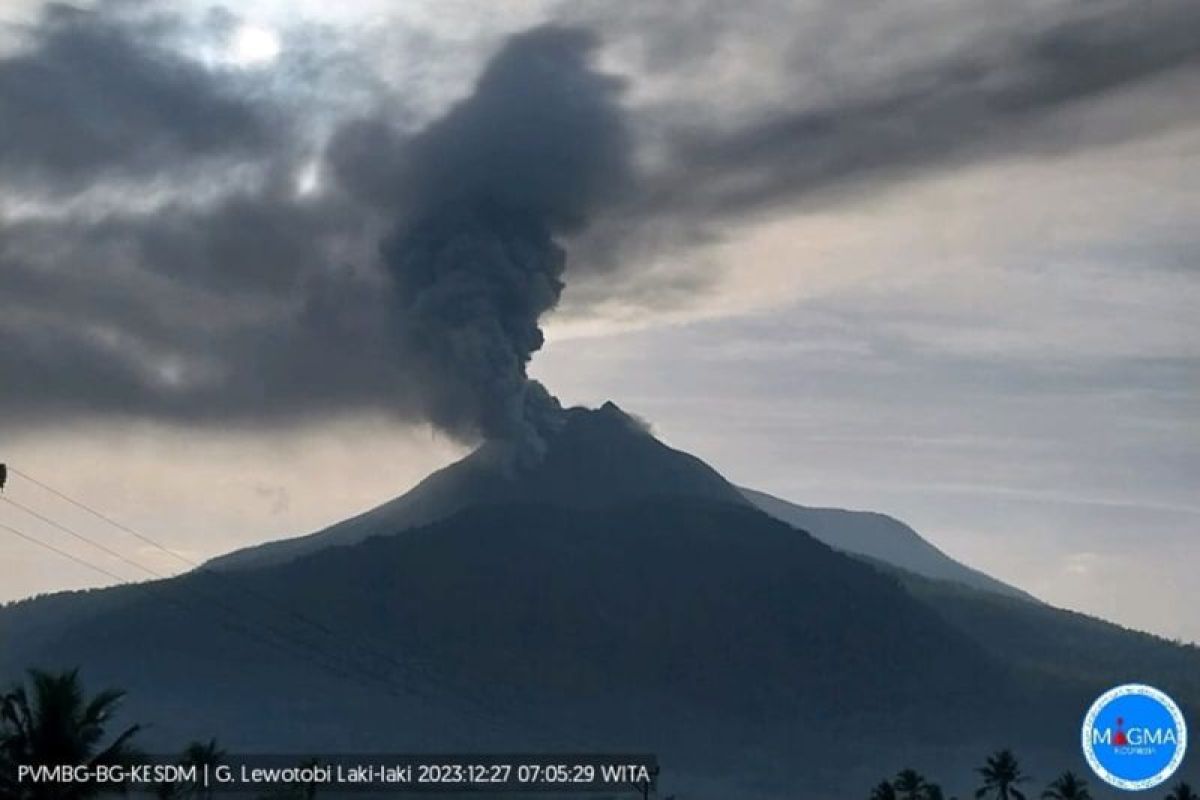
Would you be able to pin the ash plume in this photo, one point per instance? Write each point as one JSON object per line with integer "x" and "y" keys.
{"x": 184, "y": 242}
{"x": 475, "y": 261}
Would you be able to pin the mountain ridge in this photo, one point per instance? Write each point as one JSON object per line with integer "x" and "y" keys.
{"x": 880, "y": 537}
{"x": 712, "y": 634}
{"x": 620, "y": 461}
{"x": 665, "y": 625}
{"x": 624, "y": 598}
{"x": 602, "y": 457}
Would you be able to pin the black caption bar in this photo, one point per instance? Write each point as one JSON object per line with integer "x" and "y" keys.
{"x": 364, "y": 773}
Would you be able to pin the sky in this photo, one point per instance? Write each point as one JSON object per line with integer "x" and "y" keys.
{"x": 937, "y": 260}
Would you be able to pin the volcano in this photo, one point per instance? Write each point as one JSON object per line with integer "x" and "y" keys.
{"x": 605, "y": 457}
{"x": 599, "y": 459}
{"x": 621, "y": 596}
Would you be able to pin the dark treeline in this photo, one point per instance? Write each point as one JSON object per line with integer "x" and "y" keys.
{"x": 1000, "y": 778}
{"x": 50, "y": 720}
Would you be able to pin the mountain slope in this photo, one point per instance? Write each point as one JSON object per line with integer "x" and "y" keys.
{"x": 599, "y": 458}
{"x": 1054, "y": 640}
{"x": 605, "y": 457}
{"x": 711, "y": 634}
{"x": 622, "y": 597}
{"x": 754, "y": 660}
{"x": 879, "y": 537}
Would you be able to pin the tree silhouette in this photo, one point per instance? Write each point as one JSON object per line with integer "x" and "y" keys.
{"x": 51, "y": 722}
{"x": 1067, "y": 786}
{"x": 199, "y": 755}
{"x": 309, "y": 790}
{"x": 203, "y": 756}
{"x": 910, "y": 785}
{"x": 168, "y": 790}
{"x": 883, "y": 791}
{"x": 1182, "y": 791}
{"x": 1001, "y": 774}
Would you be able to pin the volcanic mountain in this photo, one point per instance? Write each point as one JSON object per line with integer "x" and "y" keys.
{"x": 599, "y": 459}
{"x": 880, "y": 538}
{"x": 620, "y": 597}
{"x": 605, "y": 457}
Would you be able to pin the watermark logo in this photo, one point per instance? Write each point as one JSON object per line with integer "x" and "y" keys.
{"x": 1134, "y": 737}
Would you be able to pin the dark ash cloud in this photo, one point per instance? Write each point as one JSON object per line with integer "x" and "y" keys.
{"x": 977, "y": 103}
{"x": 990, "y": 98}
{"x": 484, "y": 193}
{"x": 99, "y": 95}
{"x": 267, "y": 306}
{"x": 258, "y": 304}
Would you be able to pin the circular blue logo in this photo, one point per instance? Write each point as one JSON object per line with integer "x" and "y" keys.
{"x": 1134, "y": 737}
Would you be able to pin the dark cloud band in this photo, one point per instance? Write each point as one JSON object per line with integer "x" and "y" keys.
{"x": 256, "y": 303}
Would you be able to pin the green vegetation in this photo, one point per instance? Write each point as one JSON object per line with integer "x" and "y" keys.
{"x": 50, "y": 721}
{"x": 884, "y": 790}
{"x": 907, "y": 785}
{"x": 1182, "y": 791}
{"x": 1000, "y": 775}
{"x": 1067, "y": 786}
{"x": 197, "y": 754}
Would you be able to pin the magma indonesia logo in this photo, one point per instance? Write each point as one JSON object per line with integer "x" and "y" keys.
{"x": 1134, "y": 737}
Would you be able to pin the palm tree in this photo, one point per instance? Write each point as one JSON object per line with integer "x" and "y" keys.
{"x": 203, "y": 756}
{"x": 168, "y": 790}
{"x": 1067, "y": 786}
{"x": 883, "y": 791}
{"x": 910, "y": 785}
{"x": 51, "y": 723}
{"x": 1001, "y": 774}
{"x": 310, "y": 789}
{"x": 1182, "y": 791}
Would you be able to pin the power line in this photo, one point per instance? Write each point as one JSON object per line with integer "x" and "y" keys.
{"x": 63, "y": 553}
{"x": 291, "y": 612}
{"x": 476, "y": 704}
{"x": 324, "y": 629}
{"x": 151, "y": 586}
{"x": 267, "y": 628}
{"x": 282, "y": 644}
{"x": 101, "y": 516}
{"x": 104, "y": 548}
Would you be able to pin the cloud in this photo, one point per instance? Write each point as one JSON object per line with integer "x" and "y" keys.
{"x": 268, "y": 305}
{"x": 935, "y": 232}
{"x": 970, "y": 104}
{"x": 99, "y": 94}
{"x": 159, "y": 259}
{"x": 1021, "y": 90}
{"x": 483, "y": 194}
